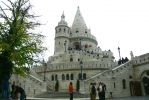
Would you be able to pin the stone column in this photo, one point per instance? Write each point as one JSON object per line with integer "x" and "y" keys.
{"x": 82, "y": 87}
{"x": 44, "y": 87}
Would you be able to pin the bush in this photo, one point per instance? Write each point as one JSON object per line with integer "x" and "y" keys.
{"x": 57, "y": 85}
{"x": 78, "y": 86}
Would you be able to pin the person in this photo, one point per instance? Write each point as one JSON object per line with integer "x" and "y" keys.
{"x": 93, "y": 92}
{"x": 13, "y": 89}
{"x": 21, "y": 92}
{"x": 14, "y": 93}
{"x": 99, "y": 89}
{"x": 5, "y": 89}
{"x": 18, "y": 93}
{"x": 70, "y": 89}
{"x": 90, "y": 88}
{"x": 103, "y": 91}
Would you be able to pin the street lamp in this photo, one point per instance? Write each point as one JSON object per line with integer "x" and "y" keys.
{"x": 81, "y": 66}
{"x": 119, "y": 52}
{"x": 65, "y": 44}
{"x": 45, "y": 67}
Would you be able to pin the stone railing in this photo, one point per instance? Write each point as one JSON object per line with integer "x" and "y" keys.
{"x": 76, "y": 65}
{"x": 140, "y": 60}
{"x": 84, "y": 35}
{"x": 111, "y": 72}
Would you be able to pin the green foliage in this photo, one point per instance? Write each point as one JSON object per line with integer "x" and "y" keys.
{"x": 77, "y": 85}
{"x": 57, "y": 85}
{"x": 18, "y": 43}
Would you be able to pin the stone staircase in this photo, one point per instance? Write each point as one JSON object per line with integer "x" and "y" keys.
{"x": 61, "y": 95}
{"x": 111, "y": 72}
{"x": 47, "y": 81}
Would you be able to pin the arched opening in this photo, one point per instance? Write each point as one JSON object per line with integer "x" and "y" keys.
{"x": 67, "y": 76}
{"x": 71, "y": 77}
{"x": 124, "y": 83}
{"x": 145, "y": 82}
{"x": 114, "y": 85}
{"x": 63, "y": 77}
{"x": 146, "y": 85}
{"x": 52, "y": 77}
{"x": 71, "y": 59}
{"x": 77, "y": 46}
{"x": 135, "y": 88}
{"x": 84, "y": 76}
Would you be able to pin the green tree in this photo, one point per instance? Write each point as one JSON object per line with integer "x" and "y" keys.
{"x": 57, "y": 85}
{"x": 77, "y": 85}
{"x": 20, "y": 46}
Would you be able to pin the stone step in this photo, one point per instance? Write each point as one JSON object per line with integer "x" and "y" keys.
{"x": 61, "y": 95}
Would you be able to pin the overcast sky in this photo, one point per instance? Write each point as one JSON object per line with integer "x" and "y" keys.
{"x": 123, "y": 23}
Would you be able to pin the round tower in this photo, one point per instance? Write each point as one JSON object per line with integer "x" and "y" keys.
{"x": 62, "y": 32}
{"x": 81, "y": 37}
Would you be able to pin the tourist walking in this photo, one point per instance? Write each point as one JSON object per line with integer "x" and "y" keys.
{"x": 99, "y": 89}
{"x": 22, "y": 94}
{"x": 103, "y": 90}
{"x": 13, "y": 91}
{"x": 18, "y": 93}
{"x": 90, "y": 90}
{"x": 70, "y": 89}
{"x": 93, "y": 92}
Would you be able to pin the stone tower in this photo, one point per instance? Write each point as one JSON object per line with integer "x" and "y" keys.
{"x": 81, "y": 37}
{"x": 62, "y": 32}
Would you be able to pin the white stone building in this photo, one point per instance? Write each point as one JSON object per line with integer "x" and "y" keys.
{"x": 77, "y": 56}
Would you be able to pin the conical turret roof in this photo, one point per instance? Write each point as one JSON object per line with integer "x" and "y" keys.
{"x": 79, "y": 23}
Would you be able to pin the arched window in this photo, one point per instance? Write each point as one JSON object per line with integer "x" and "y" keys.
{"x": 55, "y": 77}
{"x": 124, "y": 83}
{"x": 52, "y": 77}
{"x": 71, "y": 59}
{"x": 71, "y": 77}
{"x": 77, "y": 31}
{"x": 84, "y": 76}
{"x": 85, "y": 31}
{"x": 67, "y": 76}
{"x": 86, "y": 46}
{"x": 59, "y": 29}
{"x": 64, "y": 30}
{"x": 63, "y": 77}
{"x": 114, "y": 85}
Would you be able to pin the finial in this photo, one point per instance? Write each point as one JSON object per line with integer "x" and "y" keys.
{"x": 62, "y": 21}
{"x": 63, "y": 16}
{"x": 78, "y": 7}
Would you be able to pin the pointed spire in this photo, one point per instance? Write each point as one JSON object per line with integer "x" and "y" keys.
{"x": 63, "y": 16}
{"x": 79, "y": 22}
{"x": 62, "y": 21}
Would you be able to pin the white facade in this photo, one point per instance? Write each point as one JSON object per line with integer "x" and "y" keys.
{"x": 77, "y": 53}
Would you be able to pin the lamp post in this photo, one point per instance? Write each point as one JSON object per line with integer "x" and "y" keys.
{"x": 45, "y": 67}
{"x": 65, "y": 44}
{"x": 119, "y": 52}
{"x": 81, "y": 67}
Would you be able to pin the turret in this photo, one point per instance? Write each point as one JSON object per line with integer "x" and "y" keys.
{"x": 62, "y": 32}
{"x": 80, "y": 35}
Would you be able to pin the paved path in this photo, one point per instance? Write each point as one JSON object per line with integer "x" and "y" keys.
{"x": 128, "y": 98}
